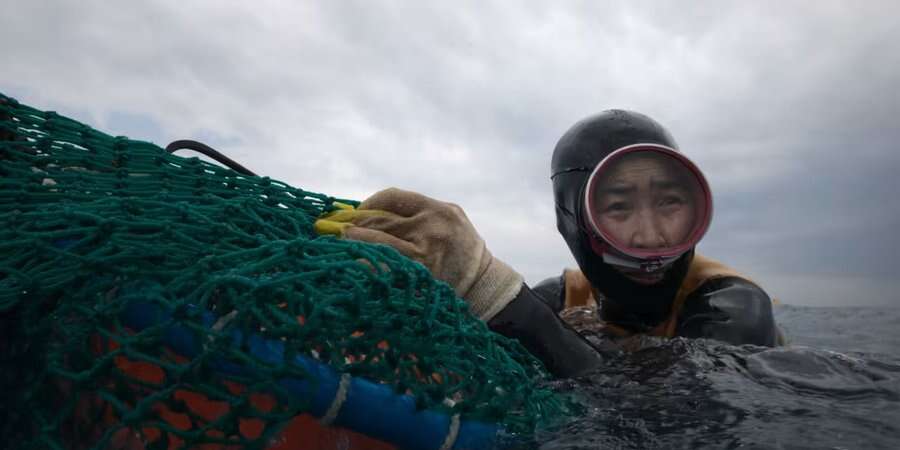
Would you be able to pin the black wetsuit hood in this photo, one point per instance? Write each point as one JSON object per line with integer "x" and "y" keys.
{"x": 576, "y": 154}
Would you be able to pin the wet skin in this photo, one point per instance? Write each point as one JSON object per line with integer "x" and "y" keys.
{"x": 646, "y": 202}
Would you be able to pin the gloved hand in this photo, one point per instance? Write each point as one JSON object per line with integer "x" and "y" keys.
{"x": 436, "y": 234}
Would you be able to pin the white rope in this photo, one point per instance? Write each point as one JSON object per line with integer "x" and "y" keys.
{"x": 452, "y": 433}
{"x": 224, "y": 320}
{"x": 339, "y": 397}
{"x": 218, "y": 327}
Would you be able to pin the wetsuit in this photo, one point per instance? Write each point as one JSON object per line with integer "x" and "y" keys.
{"x": 713, "y": 302}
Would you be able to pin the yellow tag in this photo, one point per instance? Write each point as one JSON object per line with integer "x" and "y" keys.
{"x": 340, "y": 205}
{"x": 335, "y": 222}
{"x": 324, "y": 226}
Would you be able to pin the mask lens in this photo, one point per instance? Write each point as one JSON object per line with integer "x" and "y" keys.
{"x": 648, "y": 201}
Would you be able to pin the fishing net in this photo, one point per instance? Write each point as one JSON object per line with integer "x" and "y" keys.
{"x": 153, "y": 301}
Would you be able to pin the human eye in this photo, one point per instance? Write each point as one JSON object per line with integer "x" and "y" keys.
{"x": 672, "y": 200}
{"x": 617, "y": 207}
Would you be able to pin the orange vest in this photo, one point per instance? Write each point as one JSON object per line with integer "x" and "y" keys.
{"x": 579, "y": 294}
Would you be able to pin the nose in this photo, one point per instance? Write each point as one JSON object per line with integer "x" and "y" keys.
{"x": 647, "y": 231}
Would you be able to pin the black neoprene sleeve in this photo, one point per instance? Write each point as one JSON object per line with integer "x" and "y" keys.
{"x": 552, "y": 291}
{"x": 564, "y": 352}
{"x": 729, "y": 309}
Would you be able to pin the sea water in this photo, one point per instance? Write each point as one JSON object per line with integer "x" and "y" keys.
{"x": 835, "y": 386}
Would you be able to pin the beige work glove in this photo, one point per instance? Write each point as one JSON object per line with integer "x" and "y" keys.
{"x": 436, "y": 234}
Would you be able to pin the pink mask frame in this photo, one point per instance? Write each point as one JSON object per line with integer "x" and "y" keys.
{"x": 649, "y": 260}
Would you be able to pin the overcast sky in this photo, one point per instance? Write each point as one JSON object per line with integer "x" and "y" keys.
{"x": 792, "y": 109}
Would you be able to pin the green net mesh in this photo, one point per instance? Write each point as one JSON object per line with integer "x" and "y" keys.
{"x": 91, "y": 222}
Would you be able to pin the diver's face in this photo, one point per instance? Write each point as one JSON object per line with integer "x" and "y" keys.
{"x": 645, "y": 202}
